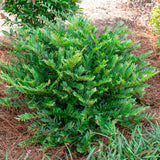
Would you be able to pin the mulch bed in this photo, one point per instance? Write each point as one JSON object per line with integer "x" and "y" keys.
{"x": 12, "y": 132}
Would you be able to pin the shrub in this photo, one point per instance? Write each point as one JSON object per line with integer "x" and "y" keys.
{"x": 155, "y": 20}
{"x": 77, "y": 82}
{"x": 28, "y": 12}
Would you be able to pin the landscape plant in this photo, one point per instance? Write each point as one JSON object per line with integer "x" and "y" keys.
{"x": 27, "y": 12}
{"x": 155, "y": 20}
{"x": 78, "y": 83}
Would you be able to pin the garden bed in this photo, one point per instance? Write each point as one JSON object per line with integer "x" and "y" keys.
{"x": 103, "y": 13}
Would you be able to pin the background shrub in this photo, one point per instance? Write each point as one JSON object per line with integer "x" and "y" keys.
{"x": 27, "y": 11}
{"x": 155, "y": 20}
{"x": 78, "y": 83}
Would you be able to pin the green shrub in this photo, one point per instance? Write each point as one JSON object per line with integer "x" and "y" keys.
{"x": 28, "y": 12}
{"x": 77, "y": 82}
{"x": 155, "y": 20}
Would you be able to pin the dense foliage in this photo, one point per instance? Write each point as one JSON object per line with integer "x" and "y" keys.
{"x": 155, "y": 20}
{"x": 78, "y": 83}
{"x": 28, "y": 11}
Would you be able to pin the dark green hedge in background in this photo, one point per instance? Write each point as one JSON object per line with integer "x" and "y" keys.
{"x": 27, "y": 11}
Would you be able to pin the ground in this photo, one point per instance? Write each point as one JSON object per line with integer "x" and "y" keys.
{"x": 102, "y": 13}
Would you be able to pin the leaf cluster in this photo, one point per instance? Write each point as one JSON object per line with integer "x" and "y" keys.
{"x": 155, "y": 20}
{"x": 27, "y": 12}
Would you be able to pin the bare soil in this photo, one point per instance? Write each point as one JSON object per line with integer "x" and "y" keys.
{"x": 103, "y": 13}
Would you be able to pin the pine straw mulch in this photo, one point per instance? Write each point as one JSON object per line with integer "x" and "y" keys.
{"x": 12, "y": 132}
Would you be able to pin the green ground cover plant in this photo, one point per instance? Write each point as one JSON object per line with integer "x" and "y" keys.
{"x": 79, "y": 84}
{"x": 28, "y": 11}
